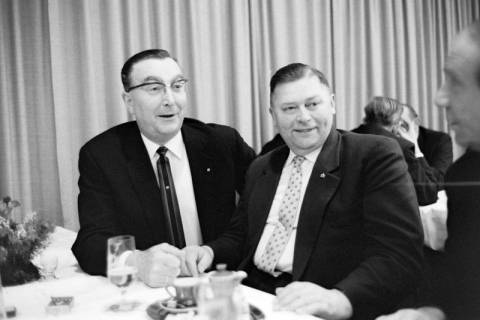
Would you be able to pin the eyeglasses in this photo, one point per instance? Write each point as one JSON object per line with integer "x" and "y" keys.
{"x": 156, "y": 87}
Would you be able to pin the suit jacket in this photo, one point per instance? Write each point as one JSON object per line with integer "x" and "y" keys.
{"x": 424, "y": 180}
{"x": 272, "y": 144}
{"x": 458, "y": 288}
{"x": 119, "y": 193}
{"x": 358, "y": 230}
{"x": 436, "y": 147}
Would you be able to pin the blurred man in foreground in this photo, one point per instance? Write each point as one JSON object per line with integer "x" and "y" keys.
{"x": 458, "y": 288}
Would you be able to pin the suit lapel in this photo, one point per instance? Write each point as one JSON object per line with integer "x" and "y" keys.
{"x": 264, "y": 192}
{"x": 201, "y": 159}
{"x": 320, "y": 189}
{"x": 143, "y": 179}
{"x": 422, "y": 137}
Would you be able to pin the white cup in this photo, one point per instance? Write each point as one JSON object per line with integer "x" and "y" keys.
{"x": 186, "y": 290}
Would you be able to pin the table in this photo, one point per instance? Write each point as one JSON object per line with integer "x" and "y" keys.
{"x": 93, "y": 294}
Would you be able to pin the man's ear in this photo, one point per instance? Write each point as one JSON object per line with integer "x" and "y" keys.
{"x": 127, "y": 99}
{"x": 274, "y": 117}
{"x": 333, "y": 103}
{"x": 417, "y": 121}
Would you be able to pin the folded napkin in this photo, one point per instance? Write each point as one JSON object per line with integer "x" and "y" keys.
{"x": 59, "y": 245}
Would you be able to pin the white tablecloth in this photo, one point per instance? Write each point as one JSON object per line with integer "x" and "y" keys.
{"x": 93, "y": 294}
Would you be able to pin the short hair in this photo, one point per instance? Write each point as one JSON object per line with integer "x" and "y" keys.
{"x": 295, "y": 71}
{"x": 473, "y": 32}
{"x": 143, "y": 55}
{"x": 381, "y": 110}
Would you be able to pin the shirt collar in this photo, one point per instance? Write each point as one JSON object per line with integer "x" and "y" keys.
{"x": 311, "y": 157}
{"x": 174, "y": 145}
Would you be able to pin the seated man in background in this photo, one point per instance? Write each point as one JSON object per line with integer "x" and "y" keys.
{"x": 382, "y": 117}
{"x": 329, "y": 222}
{"x": 168, "y": 180}
{"x": 434, "y": 146}
{"x": 457, "y": 290}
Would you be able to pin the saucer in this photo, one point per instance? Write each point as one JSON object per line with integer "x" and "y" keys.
{"x": 173, "y": 306}
{"x": 160, "y": 309}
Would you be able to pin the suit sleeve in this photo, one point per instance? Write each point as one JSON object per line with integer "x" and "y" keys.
{"x": 441, "y": 157}
{"x": 393, "y": 257}
{"x": 243, "y": 155}
{"x": 230, "y": 247}
{"x": 424, "y": 179}
{"x": 96, "y": 215}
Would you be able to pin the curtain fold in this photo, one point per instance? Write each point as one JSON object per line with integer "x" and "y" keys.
{"x": 60, "y": 64}
{"x": 28, "y": 162}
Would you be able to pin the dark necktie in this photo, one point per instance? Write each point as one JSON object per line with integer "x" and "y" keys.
{"x": 169, "y": 200}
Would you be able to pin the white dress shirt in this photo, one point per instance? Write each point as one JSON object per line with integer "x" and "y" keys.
{"x": 182, "y": 178}
{"x": 285, "y": 262}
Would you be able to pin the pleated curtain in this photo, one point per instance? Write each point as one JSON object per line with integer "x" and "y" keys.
{"x": 60, "y": 64}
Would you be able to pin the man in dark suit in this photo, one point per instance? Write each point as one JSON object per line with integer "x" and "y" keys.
{"x": 328, "y": 222}
{"x": 119, "y": 181}
{"x": 457, "y": 292}
{"x": 434, "y": 146}
{"x": 382, "y": 117}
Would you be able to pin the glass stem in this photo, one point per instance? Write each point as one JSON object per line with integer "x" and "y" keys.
{"x": 123, "y": 290}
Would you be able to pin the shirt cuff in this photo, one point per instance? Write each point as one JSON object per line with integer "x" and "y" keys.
{"x": 418, "y": 154}
{"x": 210, "y": 251}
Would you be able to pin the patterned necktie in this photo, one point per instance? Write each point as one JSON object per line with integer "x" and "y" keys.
{"x": 286, "y": 216}
{"x": 169, "y": 200}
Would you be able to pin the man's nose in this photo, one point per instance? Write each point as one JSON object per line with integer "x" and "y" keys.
{"x": 303, "y": 114}
{"x": 441, "y": 97}
{"x": 167, "y": 98}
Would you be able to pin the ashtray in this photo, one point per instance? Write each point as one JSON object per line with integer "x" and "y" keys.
{"x": 59, "y": 305}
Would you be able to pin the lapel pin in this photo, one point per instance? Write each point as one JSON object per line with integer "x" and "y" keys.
{"x": 322, "y": 175}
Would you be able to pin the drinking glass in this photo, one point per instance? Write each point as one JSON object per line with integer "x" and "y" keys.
{"x": 118, "y": 272}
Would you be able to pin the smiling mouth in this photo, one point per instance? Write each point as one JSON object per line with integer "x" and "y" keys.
{"x": 166, "y": 116}
{"x": 304, "y": 130}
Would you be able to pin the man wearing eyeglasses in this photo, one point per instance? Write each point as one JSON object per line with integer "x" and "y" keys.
{"x": 168, "y": 180}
